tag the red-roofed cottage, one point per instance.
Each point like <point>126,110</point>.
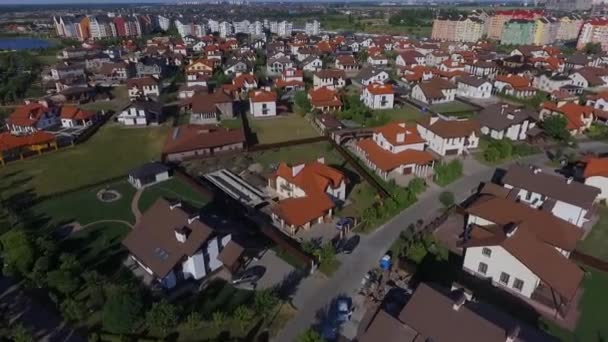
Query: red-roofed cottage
<point>31,117</point>
<point>263,103</point>
<point>378,96</point>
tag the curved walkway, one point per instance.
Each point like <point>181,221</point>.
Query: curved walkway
<point>135,204</point>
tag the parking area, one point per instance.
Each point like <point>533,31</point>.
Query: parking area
<point>275,271</point>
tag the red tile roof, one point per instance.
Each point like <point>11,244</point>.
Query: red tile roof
<point>75,113</point>
<point>596,167</point>
<point>193,137</point>
<point>324,96</point>
<point>263,96</point>
<point>27,115</point>
<point>380,89</point>
<point>9,142</point>
<point>388,161</point>
<point>391,130</point>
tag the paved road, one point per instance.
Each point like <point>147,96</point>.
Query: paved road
<point>315,292</point>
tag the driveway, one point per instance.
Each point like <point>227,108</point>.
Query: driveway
<point>314,295</point>
<point>276,270</point>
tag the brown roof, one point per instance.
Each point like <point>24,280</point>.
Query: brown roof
<point>546,226</point>
<point>141,82</point>
<point>501,116</point>
<point>552,186</point>
<point>331,73</point>
<point>203,102</point>
<point>386,328</point>
<point>553,268</point>
<point>231,253</point>
<point>451,128</point>
<point>433,88</point>
<point>472,80</point>
<point>153,242</point>
<point>193,137</point>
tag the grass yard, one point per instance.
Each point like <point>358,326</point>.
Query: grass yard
<point>597,241</point>
<point>172,188</point>
<point>297,154</point>
<point>111,152</point>
<point>362,197</point>
<point>591,324</point>
<point>232,123</point>
<point>120,100</point>
<point>406,113</point>
<point>84,207</point>
<point>283,128</point>
<point>452,107</point>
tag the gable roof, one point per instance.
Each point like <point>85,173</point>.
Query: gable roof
<point>451,128</point>
<point>391,130</point>
<point>9,141</point>
<point>75,113</point>
<point>263,96</point>
<point>141,82</point>
<point>193,137</point>
<point>28,114</point>
<point>388,161</point>
<point>596,167</point>
<point>501,116</point>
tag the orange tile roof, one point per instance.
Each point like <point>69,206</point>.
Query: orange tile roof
<point>75,113</point>
<point>9,142</point>
<point>515,81</point>
<point>388,161</point>
<point>313,179</point>
<point>380,89</point>
<point>27,115</point>
<point>392,129</point>
<point>324,96</point>
<point>241,79</point>
<point>263,96</point>
<point>573,112</point>
<point>596,167</point>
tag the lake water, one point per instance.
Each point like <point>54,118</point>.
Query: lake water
<point>23,43</point>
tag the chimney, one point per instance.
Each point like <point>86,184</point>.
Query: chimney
<point>321,160</point>
<point>510,230</point>
<point>459,302</point>
<point>193,218</point>
<point>181,233</point>
<point>400,137</point>
<point>569,180</point>
<point>175,205</point>
<point>513,334</point>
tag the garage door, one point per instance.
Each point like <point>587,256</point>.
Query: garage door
<point>451,152</point>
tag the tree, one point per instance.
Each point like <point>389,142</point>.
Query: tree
<point>264,301</point>
<point>122,310</point>
<point>243,316</point>
<point>593,48</point>
<point>446,198</point>
<point>555,127</point>
<point>219,319</point>
<point>21,334</point>
<point>417,185</point>
<point>18,252</point>
<point>63,281</point>
<point>193,320</point>
<point>72,310</point>
<point>162,316</point>
<point>491,154</point>
<point>310,336</point>
<point>220,78</point>
<point>302,102</point>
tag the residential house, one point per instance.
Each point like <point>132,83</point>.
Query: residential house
<point>113,71</point>
<point>435,91</point>
<point>378,96</point>
<point>324,99</point>
<point>241,85</point>
<point>377,60</point>
<point>63,71</point>
<point>564,198</point>
<point>549,83</point>
<point>142,87</point>
<point>236,66</point>
<point>197,141</point>
<point>31,117</point>
<point>148,174</point>
<point>449,137</point>
<point>312,63</point>
<point>277,65</point>
<point>579,118</point>
<point>308,194</point>
<point>209,108</point>
<point>596,175</point>
<point>481,68</point>
<point>409,58</point>
<point>291,79</point>
<point>396,149</point>
<point>141,113</point>
<point>523,251</point>
<point>329,78</point>
<point>372,75</point>
<point>589,77</point>
<point>475,87</point>
<point>346,63</point>
<point>514,85</point>
<point>598,101</point>
<point>171,244</point>
<point>72,116</point>
<point>503,120</point>
<point>263,103</point>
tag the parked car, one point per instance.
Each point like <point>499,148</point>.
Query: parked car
<point>250,275</point>
<point>344,309</point>
<point>351,244</point>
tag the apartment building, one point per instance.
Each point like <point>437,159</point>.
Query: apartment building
<point>459,29</point>
<point>594,31</point>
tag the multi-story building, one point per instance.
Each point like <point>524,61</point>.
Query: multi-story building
<point>256,28</point>
<point>283,28</point>
<point>214,26</point>
<point>594,31</point>
<point>313,28</point>
<point>163,23</point>
<point>241,26</point>
<point>226,29</point>
<point>101,27</point>
<point>461,29</point>
<point>569,5</point>
<point>569,27</point>
<point>545,30</point>
<point>497,21</point>
<point>518,32</point>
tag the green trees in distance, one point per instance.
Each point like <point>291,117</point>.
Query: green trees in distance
<point>302,103</point>
<point>122,310</point>
<point>593,48</point>
<point>162,316</point>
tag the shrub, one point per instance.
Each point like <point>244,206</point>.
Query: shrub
<point>446,173</point>
<point>491,154</point>
<point>447,198</point>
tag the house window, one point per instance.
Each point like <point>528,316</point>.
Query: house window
<point>528,195</point>
<point>518,284</point>
<point>486,252</point>
<point>504,278</point>
<point>483,268</point>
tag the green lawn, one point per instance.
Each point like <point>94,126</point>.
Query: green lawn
<point>591,324</point>
<point>120,100</point>
<point>362,196</point>
<point>172,188</point>
<point>232,123</point>
<point>111,152</point>
<point>406,113</point>
<point>298,154</point>
<point>453,107</point>
<point>283,128</point>
<point>84,207</point>
<point>596,243</point>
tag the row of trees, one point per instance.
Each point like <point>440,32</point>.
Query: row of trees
<point>18,71</point>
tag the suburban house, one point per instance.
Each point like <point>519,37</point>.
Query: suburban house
<point>378,96</point>
<point>324,99</point>
<point>113,71</point>
<point>31,117</point>
<point>514,85</point>
<point>377,60</point>
<point>307,194</point>
<point>196,141</point>
<point>208,108</point>
<point>148,174</point>
<point>435,314</point>
<point>598,101</point>
<point>410,58</point>
<point>278,65</point>
<point>291,79</point>
<point>236,66</point>
<point>142,87</point>
<point>569,200</point>
<point>196,78</point>
<point>579,117</point>
<point>396,149</point>
<point>372,75</point>
<point>507,121</point>
<point>522,250</point>
<point>172,244</point>
<point>330,78</point>
<point>471,86</point>
<point>12,145</point>
<point>72,116</point>
<point>241,85</point>
<point>202,66</point>
<point>141,113</point>
<point>480,68</point>
<point>312,63</point>
<point>549,83</point>
<point>437,90</point>
<point>449,137</point>
<point>63,71</point>
<point>346,63</point>
<point>263,103</point>
<point>596,175</point>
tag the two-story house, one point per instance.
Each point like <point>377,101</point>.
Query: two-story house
<point>475,87</point>
<point>324,99</point>
<point>396,149</point>
<point>172,244</point>
<point>449,137</point>
<point>291,79</point>
<point>372,75</point>
<point>346,63</point>
<point>437,90</point>
<point>312,63</point>
<point>330,78</point>
<point>72,116</point>
<point>505,121</point>
<point>142,87</point>
<point>32,117</point>
<point>208,108</point>
<point>278,65</point>
<point>595,174</point>
<point>378,96</point>
<point>579,118</point>
<point>141,113</point>
<point>263,103</point>
<point>307,193</point>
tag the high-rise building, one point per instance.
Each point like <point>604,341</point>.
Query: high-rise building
<point>569,27</point>
<point>569,5</point>
<point>496,21</point>
<point>225,29</point>
<point>163,23</point>
<point>214,26</point>
<point>459,29</point>
<point>518,32</point>
<point>594,31</point>
<point>312,28</point>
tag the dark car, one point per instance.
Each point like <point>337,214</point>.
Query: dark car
<point>351,244</point>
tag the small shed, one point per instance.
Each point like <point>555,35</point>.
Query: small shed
<point>149,173</point>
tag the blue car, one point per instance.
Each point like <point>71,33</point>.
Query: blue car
<point>345,223</point>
